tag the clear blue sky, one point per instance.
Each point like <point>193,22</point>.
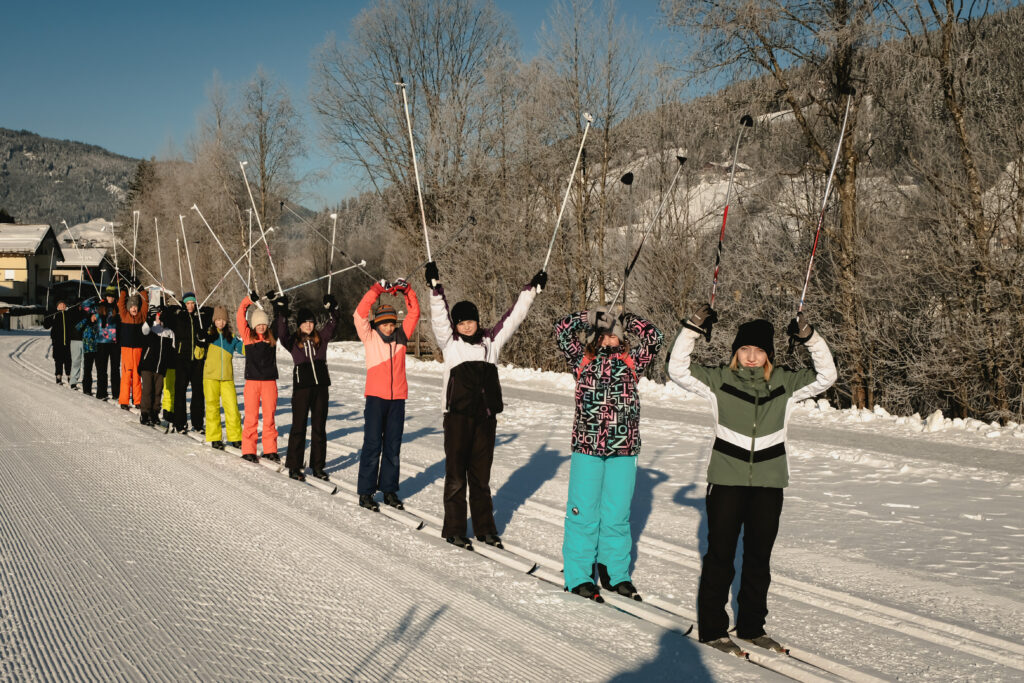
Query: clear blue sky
<point>132,76</point>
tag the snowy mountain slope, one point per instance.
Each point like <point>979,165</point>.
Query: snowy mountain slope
<point>909,554</point>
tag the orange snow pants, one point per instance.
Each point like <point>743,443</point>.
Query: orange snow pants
<point>131,380</point>
<point>257,393</point>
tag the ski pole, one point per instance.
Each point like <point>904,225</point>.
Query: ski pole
<point>330,264</point>
<point>647,231</point>
<point>745,122</point>
<point>228,271</point>
<point>321,236</point>
<point>135,239</point>
<point>117,283</point>
<point>82,265</point>
<point>177,250</point>
<point>266,244</point>
<point>49,281</point>
<point>589,119</point>
<point>416,171</point>
<point>159,256</point>
<point>149,273</point>
<point>188,257</point>
<point>627,180</point>
<point>225,251</point>
<point>824,205</point>
<point>450,242</point>
<point>317,279</point>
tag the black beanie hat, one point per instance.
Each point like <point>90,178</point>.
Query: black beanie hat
<point>759,333</point>
<point>305,316</point>
<point>465,310</point>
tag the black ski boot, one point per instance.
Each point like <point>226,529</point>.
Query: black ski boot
<point>235,444</point>
<point>297,475</point>
<point>144,420</point>
<point>366,501</point>
<point>602,576</point>
<point>391,498</point>
<point>74,387</point>
<point>251,457</point>
<point>320,474</point>
<point>588,590</point>
<point>491,539</point>
<point>460,541</point>
<point>58,380</point>
<point>272,457</point>
<point>219,445</point>
<point>125,406</point>
<point>627,589</point>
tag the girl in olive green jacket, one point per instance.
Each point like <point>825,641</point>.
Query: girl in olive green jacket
<point>751,401</point>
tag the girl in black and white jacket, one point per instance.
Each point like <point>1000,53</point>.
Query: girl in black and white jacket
<point>471,400</point>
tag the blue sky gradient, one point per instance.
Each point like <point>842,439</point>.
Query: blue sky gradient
<point>132,77</point>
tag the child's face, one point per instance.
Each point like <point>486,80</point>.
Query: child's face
<point>134,310</point>
<point>307,327</point>
<point>190,306</point>
<point>467,328</point>
<point>261,329</point>
<point>386,328</point>
<point>751,356</point>
<point>92,318</point>
<point>609,340</point>
<point>220,323</point>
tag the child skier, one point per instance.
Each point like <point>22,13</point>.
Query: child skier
<point>89,328</point>
<point>59,325</point>
<point>385,344</point>
<point>133,312</point>
<point>156,358</point>
<point>219,380</point>
<point>108,351</point>
<point>310,382</point>
<point>605,446</point>
<point>751,401</point>
<point>260,379</point>
<point>471,401</point>
<point>187,323</point>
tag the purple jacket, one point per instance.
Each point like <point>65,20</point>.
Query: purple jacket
<point>310,359</point>
<point>607,420</point>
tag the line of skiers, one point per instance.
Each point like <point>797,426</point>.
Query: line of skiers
<point>751,400</point>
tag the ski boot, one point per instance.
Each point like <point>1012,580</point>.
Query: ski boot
<point>460,541</point>
<point>297,475</point>
<point>320,474</point>
<point>623,588</point>
<point>125,406</point>
<point>491,539</point>
<point>587,590</point>
<point>74,387</point>
<point>768,643</point>
<point>219,445</point>
<point>251,457</point>
<point>272,457</point>
<point>58,380</point>
<point>235,444</point>
<point>366,501</point>
<point>391,498</point>
<point>726,645</point>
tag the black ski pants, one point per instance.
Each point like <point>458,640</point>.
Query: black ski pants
<point>152,393</point>
<point>468,454</point>
<point>61,359</point>
<point>756,510</point>
<point>308,400</point>
<point>88,359</point>
<point>108,354</point>
<point>189,371</point>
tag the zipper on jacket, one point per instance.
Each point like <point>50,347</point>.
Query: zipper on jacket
<point>753,440</point>
<point>391,364</point>
<point>312,361</point>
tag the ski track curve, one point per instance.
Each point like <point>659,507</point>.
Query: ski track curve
<point>153,563</point>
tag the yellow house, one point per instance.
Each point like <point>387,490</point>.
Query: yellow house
<point>27,256</point>
<point>88,264</point>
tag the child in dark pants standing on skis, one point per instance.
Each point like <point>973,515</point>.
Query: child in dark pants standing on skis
<point>385,344</point>
<point>751,400</point>
<point>471,400</point>
<point>310,382</point>
<point>605,446</point>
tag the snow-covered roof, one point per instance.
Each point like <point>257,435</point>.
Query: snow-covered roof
<point>22,239</point>
<point>87,257</point>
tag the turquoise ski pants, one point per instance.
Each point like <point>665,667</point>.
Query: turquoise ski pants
<point>597,517</point>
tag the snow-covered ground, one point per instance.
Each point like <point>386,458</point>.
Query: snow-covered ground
<point>126,553</point>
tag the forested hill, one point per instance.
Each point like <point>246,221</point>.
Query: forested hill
<point>44,180</point>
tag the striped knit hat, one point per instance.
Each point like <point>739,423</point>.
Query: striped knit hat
<point>385,314</point>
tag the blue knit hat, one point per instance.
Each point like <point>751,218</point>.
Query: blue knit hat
<point>189,296</point>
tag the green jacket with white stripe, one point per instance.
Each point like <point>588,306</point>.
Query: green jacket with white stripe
<point>751,414</point>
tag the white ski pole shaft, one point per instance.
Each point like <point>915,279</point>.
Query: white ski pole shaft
<point>330,265</point>
<point>135,238</point>
<point>249,257</point>
<point>177,250</point>
<point>225,251</point>
<point>49,282</point>
<point>415,167</point>
<point>322,277</point>
<point>824,203</point>
<point>117,268</point>
<point>325,239</point>
<point>228,272</point>
<point>81,267</point>
<point>146,270</point>
<point>565,199</point>
<point>188,257</point>
<point>159,256</point>
<point>259,223</point>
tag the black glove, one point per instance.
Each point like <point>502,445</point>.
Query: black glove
<point>254,297</point>
<point>540,280</point>
<point>330,303</point>
<point>702,320</point>
<point>799,330</point>
<point>272,295</point>
<point>280,302</point>
<point>399,286</point>
<point>433,277</point>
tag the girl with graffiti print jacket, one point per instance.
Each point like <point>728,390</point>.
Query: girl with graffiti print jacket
<point>605,446</point>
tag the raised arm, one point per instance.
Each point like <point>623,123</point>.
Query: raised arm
<point>694,378</point>
<point>650,337</point>
<point>412,313</point>
<point>361,316</point>
<point>824,373</point>
<point>567,337</point>
<point>515,316</point>
<point>440,320</point>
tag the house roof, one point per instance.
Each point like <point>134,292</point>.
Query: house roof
<point>24,239</point>
<point>87,257</point>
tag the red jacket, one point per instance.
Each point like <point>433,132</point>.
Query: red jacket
<point>385,361</point>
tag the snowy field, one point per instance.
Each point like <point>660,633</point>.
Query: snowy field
<point>128,554</point>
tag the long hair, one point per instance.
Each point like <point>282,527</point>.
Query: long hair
<point>301,337</point>
<point>768,367</point>
<point>226,331</point>
<point>267,336</point>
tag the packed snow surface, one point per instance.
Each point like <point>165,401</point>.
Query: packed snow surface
<point>125,553</point>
